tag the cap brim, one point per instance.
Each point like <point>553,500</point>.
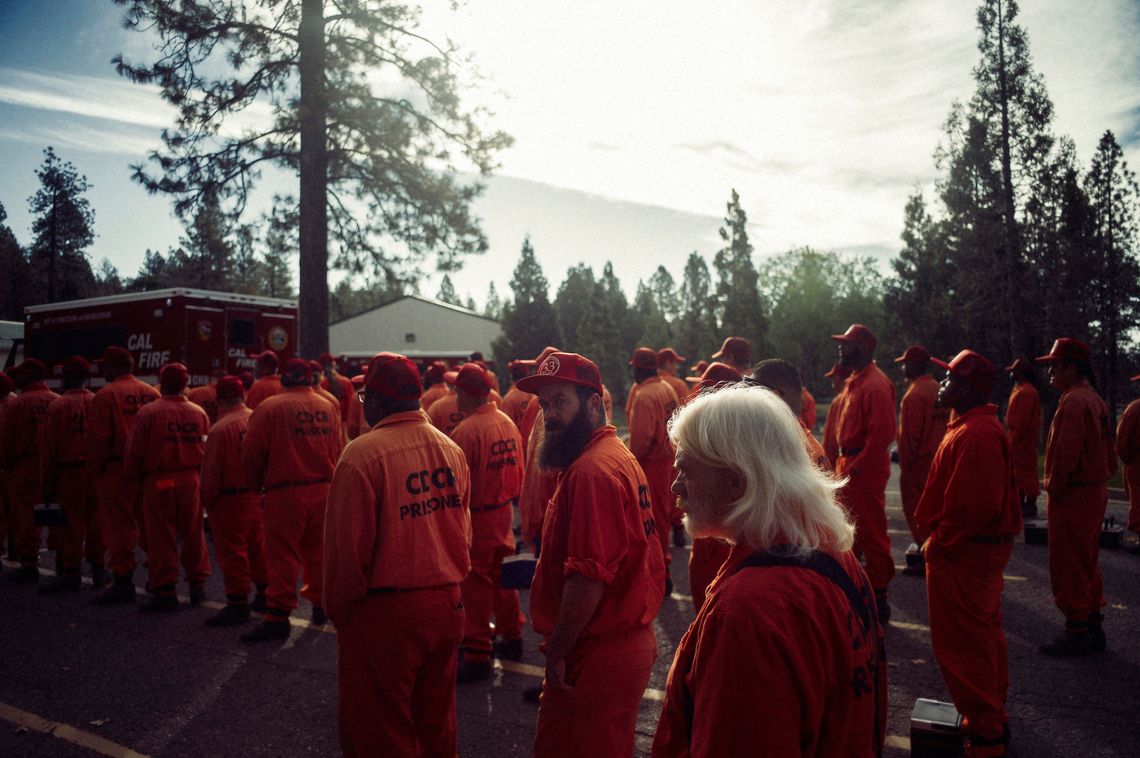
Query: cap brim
<point>940,364</point>
<point>1135,378</point>
<point>900,359</point>
<point>1011,367</point>
<point>717,354</point>
<point>1046,358</point>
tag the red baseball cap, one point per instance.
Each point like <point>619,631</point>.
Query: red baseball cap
<point>547,351</point>
<point>644,357</point>
<point>117,356</point>
<point>325,358</point>
<point>1019,365</point>
<point>449,377</point>
<point>716,373</point>
<point>29,371</point>
<point>357,381</point>
<point>472,379</point>
<point>839,370</point>
<point>698,369</point>
<point>435,369</point>
<point>1066,348</point>
<point>315,367</point>
<point>76,367</point>
<point>669,354</point>
<point>519,368</point>
<point>916,353</point>
<point>268,357</point>
<point>975,368</point>
<point>230,388</point>
<point>6,384</point>
<point>298,368</point>
<point>563,368</point>
<point>1133,379</point>
<point>857,333</point>
<point>174,374</point>
<point>393,375</point>
<point>737,347</point>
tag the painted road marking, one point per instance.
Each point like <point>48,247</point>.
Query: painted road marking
<point>910,627</point>
<point>66,732</point>
<point>893,740</point>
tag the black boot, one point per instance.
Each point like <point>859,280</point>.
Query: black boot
<point>160,603</point>
<point>197,594</point>
<point>231,615</point>
<point>1097,642</point>
<point>268,630</point>
<point>318,616</point>
<point>882,607</point>
<point>60,584</point>
<point>510,650</point>
<point>122,590</point>
<point>258,603</point>
<point>99,576</point>
<point>1073,642</point>
<point>472,671</point>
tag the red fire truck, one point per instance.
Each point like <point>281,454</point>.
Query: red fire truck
<point>202,329</point>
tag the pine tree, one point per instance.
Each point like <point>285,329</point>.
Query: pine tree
<point>447,291</point>
<point>572,303</point>
<point>696,328</point>
<point>16,281</point>
<point>372,167</point>
<point>656,332</point>
<point>494,307</point>
<point>740,309</point>
<point>529,320</point>
<point>664,290</point>
<point>63,228</point>
<point>279,246</point>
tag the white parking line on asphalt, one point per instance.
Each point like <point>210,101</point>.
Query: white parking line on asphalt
<point>893,740</point>
<point>910,627</point>
<point>66,732</point>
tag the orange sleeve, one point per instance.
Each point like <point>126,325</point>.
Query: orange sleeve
<point>807,413</point>
<point>1126,434</point>
<point>874,411</point>
<point>1065,440</point>
<point>350,536</point>
<point>598,538</point>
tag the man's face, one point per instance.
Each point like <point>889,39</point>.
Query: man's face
<point>850,353</point>
<point>567,424</point>
<point>951,391</point>
<point>669,367</point>
<point>705,493</point>
<point>560,404</point>
<point>913,369</point>
<point>1062,374</point>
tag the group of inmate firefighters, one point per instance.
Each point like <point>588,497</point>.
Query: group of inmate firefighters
<point>395,496</point>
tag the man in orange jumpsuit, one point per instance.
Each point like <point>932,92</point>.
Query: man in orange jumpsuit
<point>477,357</point>
<point>356,423</point>
<point>206,396</point>
<point>315,374</point>
<point>922,422</point>
<point>649,442</point>
<point>785,658</point>
<point>838,376</point>
<point>807,408</point>
<point>20,459</point>
<point>291,447</point>
<point>515,402</point>
<point>865,431</point>
<point>1128,449</point>
<point>233,507</point>
<point>436,387</point>
<point>444,413</point>
<point>968,517</point>
<point>736,352</point>
<point>268,381</point>
<point>1080,458</point>
<point>397,541</point>
<point>492,447</point>
<point>163,457</point>
<point>63,460</point>
<point>338,384</point>
<point>113,413</point>
<point>598,584</point>
<point>1023,425</point>
<point>668,361</point>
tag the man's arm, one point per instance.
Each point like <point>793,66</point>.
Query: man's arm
<point>580,598</point>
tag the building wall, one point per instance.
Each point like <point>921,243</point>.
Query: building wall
<point>431,326</point>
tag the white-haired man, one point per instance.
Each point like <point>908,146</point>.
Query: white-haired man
<point>791,612</point>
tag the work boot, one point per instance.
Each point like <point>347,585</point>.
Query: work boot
<point>197,594</point>
<point>668,583</point>
<point>1068,644</point>
<point>472,671</point>
<point>258,603</point>
<point>267,630</point>
<point>25,575</point>
<point>60,584</point>
<point>160,603</point>
<point>100,578</point>
<point>533,693</point>
<point>1028,507</point>
<point>511,650</point>
<point>1097,642</point>
<point>231,615</point>
<point>882,607</point>
<point>122,590</point>
<point>318,617</point>
<point>680,539</point>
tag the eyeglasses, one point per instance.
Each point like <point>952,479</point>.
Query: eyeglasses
<point>360,396</point>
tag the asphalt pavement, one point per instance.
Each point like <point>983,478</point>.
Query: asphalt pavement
<point>81,680</point>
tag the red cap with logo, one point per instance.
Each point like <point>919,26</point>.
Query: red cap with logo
<point>644,357</point>
<point>916,353</point>
<point>76,367</point>
<point>472,379</point>
<point>839,370</point>
<point>547,351</point>
<point>563,368</point>
<point>975,368</point>
<point>857,333</point>
<point>394,376</point>
<point>669,354</point>
<point>230,388</point>
<point>174,375</point>
<point>737,348</point>
<point>1066,348</point>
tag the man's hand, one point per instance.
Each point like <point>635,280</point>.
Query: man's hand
<point>556,674</point>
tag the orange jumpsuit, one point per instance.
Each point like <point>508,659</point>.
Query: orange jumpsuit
<point>679,385</point>
<point>531,418</point>
<point>1023,424</point>
<point>206,398</point>
<point>113,412</point>
<point>493,448</point>
<point>445,414</point>
<point>970,511</point>
<point>776,664</point>
<point>63,458</point>
<point>807,412</point>
<point>865,430</point>
<point>1079,459</point>
<point>20,450</point>
<point>921,426</point>
<point>649,442</point>
<point>515,404</point>
<point>538,485</point>
<point>356,424</point>
<point>1128,449</point>
<point>164,454</point>
<point>831,428</point>
<point>265,387</point>
<point>345,398</point>
<point>397,541</point>
<point>600,525</point>
<point>432,393</point>
<point>291,447</point>
<point>234,508</point>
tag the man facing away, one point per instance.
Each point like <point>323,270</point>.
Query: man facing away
<point>921,426</point>
<point>1023,425</point>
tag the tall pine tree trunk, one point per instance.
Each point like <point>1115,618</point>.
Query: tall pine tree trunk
<point>1009,236</point>
<point>314,227</point>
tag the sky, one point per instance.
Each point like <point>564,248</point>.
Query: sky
<point>632,121</point>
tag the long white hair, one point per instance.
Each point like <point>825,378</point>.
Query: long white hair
<point>787,499</point>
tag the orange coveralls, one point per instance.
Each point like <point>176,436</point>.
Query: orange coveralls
<point>538,485</point>
<point>206,398</point>
<point>921,426</point>
<point>1079,459</point>
<point>164,454</point>
<point>515,403</point>
<point>650,410</point>
<point>970,511</point>
<point>63,459</point>
<point>356,424</point>
<point>113,412</point>
<point>600,525</point>
<point>291,447</point>
<point>397,541</point>
<point>234,508</point>
<point>433,393</point>
<point>265,387</point>
<point>23,434</point>
<point>866,428</point>
<point>1023,424</point>
<point>679,385</point>
<point>753,677</point>
<point>493,448</point>
<point>346,397</point>
<point>807,413</point>
<point>1128,449</point>
<point>445,414</point>
<point>531,417</point>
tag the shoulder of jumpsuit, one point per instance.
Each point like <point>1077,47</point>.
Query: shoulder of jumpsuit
<point>233,418</point>
<point>973,416</point>
<point>769,598</point>
<point>380,434</point>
